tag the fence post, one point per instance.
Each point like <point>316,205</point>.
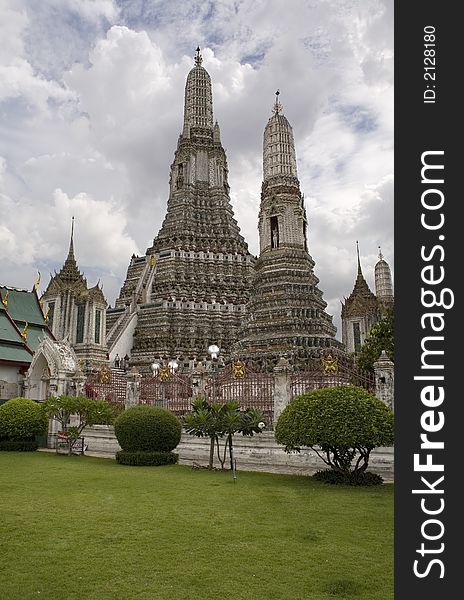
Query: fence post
<point>385,380</point>
<point>133,388</point>
<point>282,387</point>
<point>199,378</point>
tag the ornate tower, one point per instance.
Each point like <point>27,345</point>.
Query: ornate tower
<point>383,284</point>
<point>286,313</point>
<point>191,287</point>
<point>77,313</point>
<point>359,312</point>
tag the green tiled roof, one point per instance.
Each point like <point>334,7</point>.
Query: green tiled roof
<point>35,335</point>
<point>12,346</point>
<point>23,306</point>
<point>14,352</point>
<point>7,330</point>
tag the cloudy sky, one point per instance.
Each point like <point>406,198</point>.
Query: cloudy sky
<point>91,105</point>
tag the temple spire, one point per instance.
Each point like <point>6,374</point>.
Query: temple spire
<point>198,57</point>
<point>359,260</point>
<point>71,242</point>
<point>279,158</point>
<point>198,102</point>
<point>383,279</point>
<point>277,108</point>
<point>70,270</point>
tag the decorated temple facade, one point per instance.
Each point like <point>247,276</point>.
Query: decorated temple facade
<point>77,313</point>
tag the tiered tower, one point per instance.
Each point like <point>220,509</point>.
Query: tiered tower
<point>191,287</point>
<point>383,284</point>
<point>76,312</point>
<point>286,313</point>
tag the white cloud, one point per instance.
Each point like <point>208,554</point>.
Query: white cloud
<point>91,105</point>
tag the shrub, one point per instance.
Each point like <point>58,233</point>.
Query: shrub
<point>341,424</point>
<point>22,419</point>
<point>338,478</point>
<point>147,429</point>
<point>18,445</point>
<point>146,459</point>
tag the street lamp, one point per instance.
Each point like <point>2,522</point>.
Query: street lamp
<point>214,351</point>
<point>173,366</point>
<point>155,367</point>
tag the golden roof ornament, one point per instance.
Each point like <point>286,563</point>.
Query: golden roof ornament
<point>5,299</point>
<point>36,284</point>
<point>24,332</point>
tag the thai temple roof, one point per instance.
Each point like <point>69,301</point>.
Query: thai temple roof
<point>22,324</point>
<point>361,298</point>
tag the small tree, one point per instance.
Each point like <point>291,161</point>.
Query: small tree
<point>203,422</point>
<point>247,422</point>
<point>381,337</point>
<point>218,420</point>
<point>88,412</point>
<point>341,424</point>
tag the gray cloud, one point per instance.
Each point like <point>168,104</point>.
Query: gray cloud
<point>91,97</point>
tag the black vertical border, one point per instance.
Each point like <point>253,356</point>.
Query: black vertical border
<point>421,127</point>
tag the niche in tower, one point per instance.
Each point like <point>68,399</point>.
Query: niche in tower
<point>305,227</point>
<point>274,221</point>
<point>180,176</point>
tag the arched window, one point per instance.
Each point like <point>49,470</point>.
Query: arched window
<point>274,224</point>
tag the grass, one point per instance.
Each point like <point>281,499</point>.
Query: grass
<point>86,528</point>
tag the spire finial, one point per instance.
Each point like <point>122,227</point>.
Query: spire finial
<point>380,253</point>
<point>359,260</point>
<point>198,57</point>
<point>277,108</point>
<point>71,242</point>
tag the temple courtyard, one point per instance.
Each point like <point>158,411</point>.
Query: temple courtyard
<point>87,528</point>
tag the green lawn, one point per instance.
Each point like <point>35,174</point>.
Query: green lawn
<point>89,529</point>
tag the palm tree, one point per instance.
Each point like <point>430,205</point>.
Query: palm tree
<point>218,420</point>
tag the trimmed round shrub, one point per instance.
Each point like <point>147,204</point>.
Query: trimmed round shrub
<point>22,419</point>
<point>341,424</point>
<point>147,429</point>
<point>146,459</point>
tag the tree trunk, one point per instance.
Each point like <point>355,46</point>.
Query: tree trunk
<point>231,453</point>
<point>211,453</point>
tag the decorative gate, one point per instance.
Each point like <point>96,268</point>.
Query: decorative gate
<point>107,385</point>
<point>237,381</point>
<point>168,390</point>
<point>330,370</point>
